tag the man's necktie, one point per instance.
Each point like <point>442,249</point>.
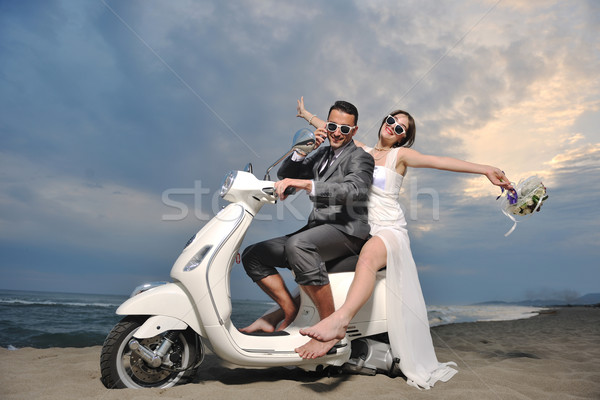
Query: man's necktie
<point>328,163</point>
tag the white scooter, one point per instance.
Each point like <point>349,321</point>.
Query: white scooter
<point>161,340</point>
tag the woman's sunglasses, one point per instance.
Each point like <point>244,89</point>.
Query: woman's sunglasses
<point>398,129</point>
<point>345,129</point>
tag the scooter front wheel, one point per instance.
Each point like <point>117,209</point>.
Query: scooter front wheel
<point>122,367</point>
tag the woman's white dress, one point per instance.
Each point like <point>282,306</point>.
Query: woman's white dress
<point>408,325</point>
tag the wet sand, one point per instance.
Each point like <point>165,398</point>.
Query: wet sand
<point>555,355</point>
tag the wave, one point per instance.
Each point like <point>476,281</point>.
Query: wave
<point>442,315</point>
<point>54,303</point>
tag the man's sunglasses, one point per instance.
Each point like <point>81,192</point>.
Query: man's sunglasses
<point>398,129</point>
<point>345,129</point>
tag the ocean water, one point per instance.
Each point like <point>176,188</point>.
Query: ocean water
<point>45,319</point>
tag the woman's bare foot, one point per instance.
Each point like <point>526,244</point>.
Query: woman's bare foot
<point>331,328</point>
<point>315,348</point>
<point>260,325</point>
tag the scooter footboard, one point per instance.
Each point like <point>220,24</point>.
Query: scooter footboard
<point>168,300</point>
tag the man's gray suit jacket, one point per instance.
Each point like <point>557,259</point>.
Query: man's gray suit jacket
<point>341,193</point>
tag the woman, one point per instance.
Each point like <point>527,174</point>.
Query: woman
<point>408,326</point>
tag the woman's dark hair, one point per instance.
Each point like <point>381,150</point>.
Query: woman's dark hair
<point>411,130</point>
<point>345,107</point>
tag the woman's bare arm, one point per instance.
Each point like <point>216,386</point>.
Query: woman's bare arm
<point>412,158</point>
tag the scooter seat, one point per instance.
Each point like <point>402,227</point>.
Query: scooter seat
<point>342,264</point>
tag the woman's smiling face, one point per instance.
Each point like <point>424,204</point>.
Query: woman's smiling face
<point>387,132</point>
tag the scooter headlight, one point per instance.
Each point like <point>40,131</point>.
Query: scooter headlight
<point>227,182</point>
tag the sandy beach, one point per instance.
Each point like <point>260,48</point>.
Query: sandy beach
<point>555,355</point>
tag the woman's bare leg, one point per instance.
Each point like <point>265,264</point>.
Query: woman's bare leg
<point>373,257</point>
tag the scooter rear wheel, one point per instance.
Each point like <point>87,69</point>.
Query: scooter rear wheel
<point>123,368</point>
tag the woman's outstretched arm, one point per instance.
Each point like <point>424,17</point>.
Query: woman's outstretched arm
<point>412,158</point>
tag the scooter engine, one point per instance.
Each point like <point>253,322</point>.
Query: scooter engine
<point>371,356</point>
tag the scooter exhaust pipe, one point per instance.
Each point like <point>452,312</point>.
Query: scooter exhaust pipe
<point>147,355</point>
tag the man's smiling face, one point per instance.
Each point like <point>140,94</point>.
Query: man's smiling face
<point>337,139</point>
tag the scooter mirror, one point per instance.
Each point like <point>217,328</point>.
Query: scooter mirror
<point>304,141</point>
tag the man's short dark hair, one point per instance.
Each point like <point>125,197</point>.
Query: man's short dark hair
<point>345,107</point>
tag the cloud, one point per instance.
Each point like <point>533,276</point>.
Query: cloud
<point>585,156</point>
<point>51,208</point>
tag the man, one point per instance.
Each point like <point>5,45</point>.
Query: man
<point>337,178</point>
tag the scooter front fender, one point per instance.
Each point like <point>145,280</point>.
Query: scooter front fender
<point>169,300</point>
<point>157,325</point>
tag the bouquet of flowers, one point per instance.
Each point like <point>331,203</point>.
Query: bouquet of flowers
<point>527,198</point>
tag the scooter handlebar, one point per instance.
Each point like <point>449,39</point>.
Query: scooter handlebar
<point>271,191</point>
<point>289,190</point>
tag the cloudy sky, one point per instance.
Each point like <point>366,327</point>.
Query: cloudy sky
<point>120,118</point>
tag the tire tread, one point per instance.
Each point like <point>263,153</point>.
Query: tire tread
<point>124,326</point>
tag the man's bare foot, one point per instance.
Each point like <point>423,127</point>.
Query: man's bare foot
<point>260,325</point>
<point>330,328</point>
<point>315,348</point>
